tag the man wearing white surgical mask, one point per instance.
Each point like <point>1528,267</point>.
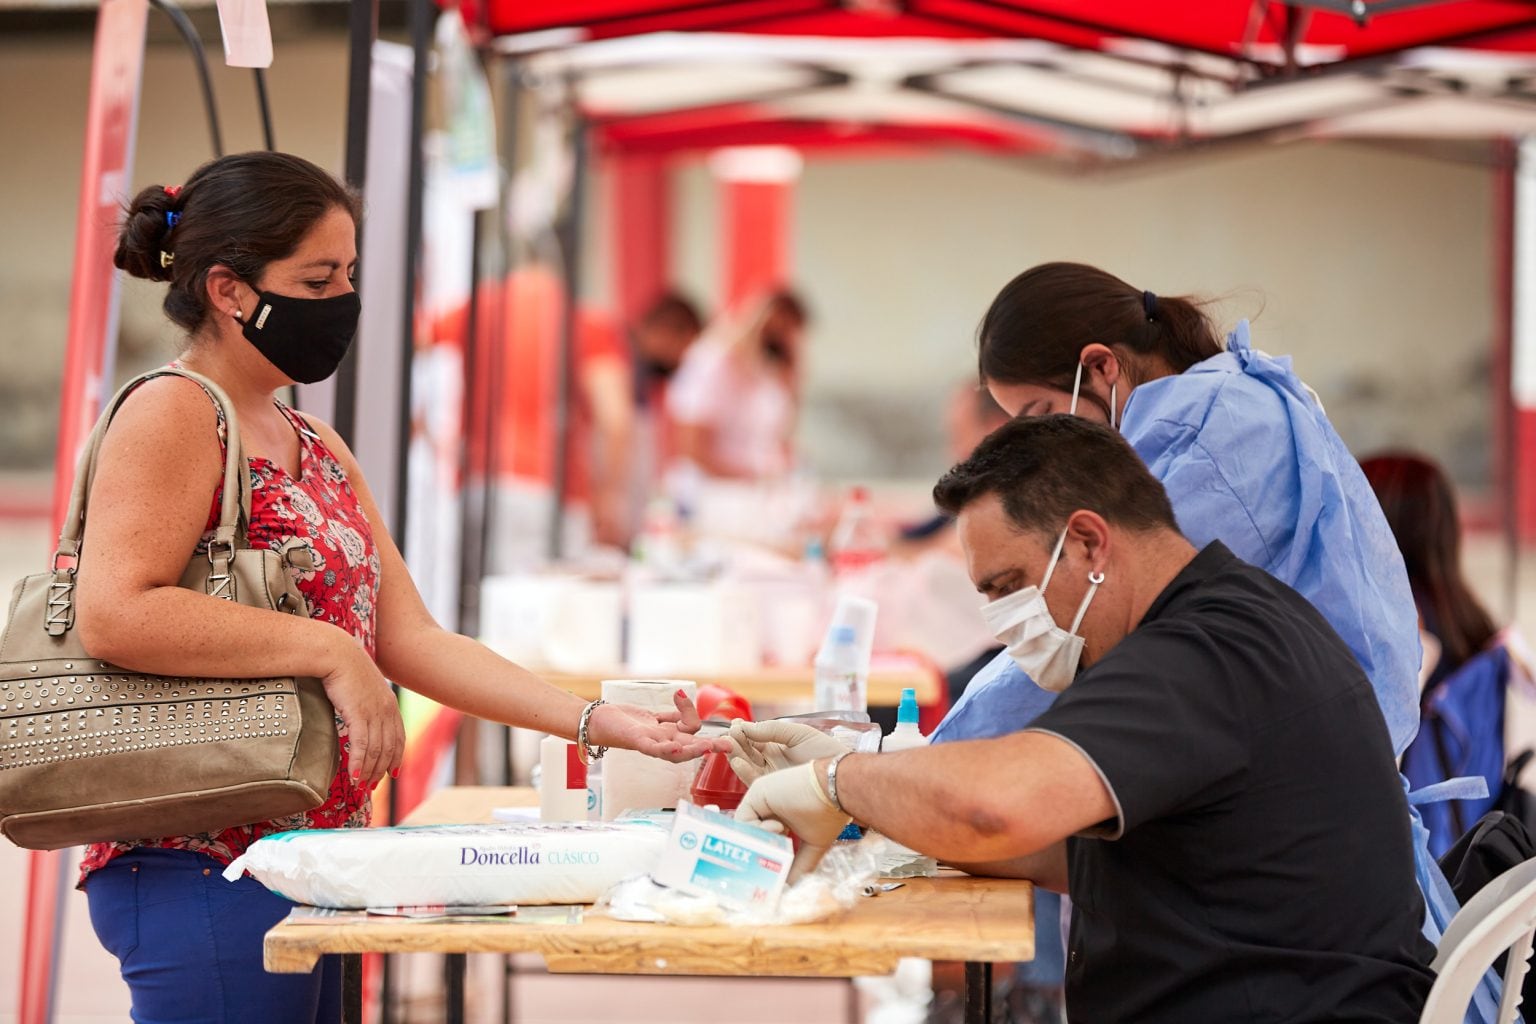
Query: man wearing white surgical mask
<point>1215,786</point>
<point>1023,624</point>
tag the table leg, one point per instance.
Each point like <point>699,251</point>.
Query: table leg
<point>352,988</point>
<point>453,971</point>
<point>978,993</point>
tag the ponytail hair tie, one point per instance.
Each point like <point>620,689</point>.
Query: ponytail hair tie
<point>1149,305</point>
<point>172,218</point>
<point>172,190</point>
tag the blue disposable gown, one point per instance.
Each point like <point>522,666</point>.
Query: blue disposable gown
<point>1249,458</point>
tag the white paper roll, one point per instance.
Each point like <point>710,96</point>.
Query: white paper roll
<point>634,781</point>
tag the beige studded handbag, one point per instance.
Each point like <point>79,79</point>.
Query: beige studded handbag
<point>91,752</point>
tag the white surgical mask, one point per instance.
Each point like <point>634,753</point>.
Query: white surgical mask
<point>1023,624</point>
<point>1077,385</point>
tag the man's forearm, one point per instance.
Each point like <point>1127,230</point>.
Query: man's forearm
<point>978,802</point>
<point>1047,869</point>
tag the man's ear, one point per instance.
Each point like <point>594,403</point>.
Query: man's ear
<point>227,293</point>
<point>1090,531</point>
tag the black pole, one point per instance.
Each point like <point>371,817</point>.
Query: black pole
<point>978,993</point>
<point>421,41</point>
<point>200,62</point>
<point>570,250</point>
<point>264,104</point>
<point>470,555</point>
<point>500,324</point>
<point>362,30</point>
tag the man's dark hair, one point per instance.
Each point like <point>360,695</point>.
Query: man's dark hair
<point>788,303</point>
<point>1044,468</point>
<point>671,311</point>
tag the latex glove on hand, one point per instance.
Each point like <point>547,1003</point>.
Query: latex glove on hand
<point>758,748</point>
<point>794,800</point>
<point>669,735</point>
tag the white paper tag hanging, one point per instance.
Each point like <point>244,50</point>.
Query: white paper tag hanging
<point>247,33</point>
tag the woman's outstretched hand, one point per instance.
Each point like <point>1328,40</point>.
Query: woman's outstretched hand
<point>669,735</point>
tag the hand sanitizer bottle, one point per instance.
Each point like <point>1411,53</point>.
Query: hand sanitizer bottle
<point>905,736</point>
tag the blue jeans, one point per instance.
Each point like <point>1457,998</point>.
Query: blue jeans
<point>189,944</point>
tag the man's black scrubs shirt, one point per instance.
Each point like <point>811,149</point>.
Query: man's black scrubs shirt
<point>1260,868</point>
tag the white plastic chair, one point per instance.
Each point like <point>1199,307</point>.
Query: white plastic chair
<point>1502,916</point>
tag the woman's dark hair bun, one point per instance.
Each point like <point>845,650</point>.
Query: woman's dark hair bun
<point>144,235</point>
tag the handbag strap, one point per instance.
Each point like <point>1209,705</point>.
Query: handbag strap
<point>234,508</point>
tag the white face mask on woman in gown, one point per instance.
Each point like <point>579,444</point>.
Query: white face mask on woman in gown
<point>1021,622</point>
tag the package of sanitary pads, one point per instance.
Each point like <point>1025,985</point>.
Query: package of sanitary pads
<point>521,863</point>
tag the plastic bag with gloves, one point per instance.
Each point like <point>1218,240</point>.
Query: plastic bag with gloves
<point>847,873</point>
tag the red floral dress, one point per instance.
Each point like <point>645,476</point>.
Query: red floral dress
<point>318,510</point>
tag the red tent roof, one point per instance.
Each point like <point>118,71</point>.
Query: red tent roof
<point>1254,29</point>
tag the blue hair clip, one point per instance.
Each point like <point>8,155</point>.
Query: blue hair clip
<point>171,219</point>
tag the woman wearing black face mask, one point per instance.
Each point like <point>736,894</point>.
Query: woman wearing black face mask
<point>258,250</point>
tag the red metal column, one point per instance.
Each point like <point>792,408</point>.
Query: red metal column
<point>111,122</point>
<point>756,201</point>
<point>1522,275</point>
<point>640,199</point>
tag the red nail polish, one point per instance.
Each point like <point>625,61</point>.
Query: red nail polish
<point>683,694</point>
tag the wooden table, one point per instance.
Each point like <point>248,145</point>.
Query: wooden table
<point>952,917</point>
<point>887,678</point>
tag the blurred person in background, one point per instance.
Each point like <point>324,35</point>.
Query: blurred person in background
<point>1469,662</point>
<point>735,398</point>
<point>925,596</point>
<point>970,415</point>
<point>526,312</point>
<point>660,338</point>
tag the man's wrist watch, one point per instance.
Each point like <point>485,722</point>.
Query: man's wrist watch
<point>832,780</point>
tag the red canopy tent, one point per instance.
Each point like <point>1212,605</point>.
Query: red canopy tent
<point>1270,36</point>
<point>1253,42</point>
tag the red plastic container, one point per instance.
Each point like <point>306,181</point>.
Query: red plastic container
<point>717,784</point>
<point>718,703</point>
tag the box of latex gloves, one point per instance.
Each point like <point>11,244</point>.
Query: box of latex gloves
<point>711,854</point>
<point>457,865</point>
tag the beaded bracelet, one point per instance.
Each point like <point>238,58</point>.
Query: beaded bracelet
<point>832,780</point>
<point>583,744</point>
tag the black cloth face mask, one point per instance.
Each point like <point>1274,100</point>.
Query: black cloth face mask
<point>777,351</point>
<point>656,370</point>
<point>304,338</point>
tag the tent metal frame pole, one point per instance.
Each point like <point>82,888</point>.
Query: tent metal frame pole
<point>496,343</point>
<point>471,556</point>
<point>570,248</point>
<point>1507,156</point>
<point>362,31</point>
<point>194,42</point>
<point>792,10</point>
<point>421,12</point>
<point>1009,8</point>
